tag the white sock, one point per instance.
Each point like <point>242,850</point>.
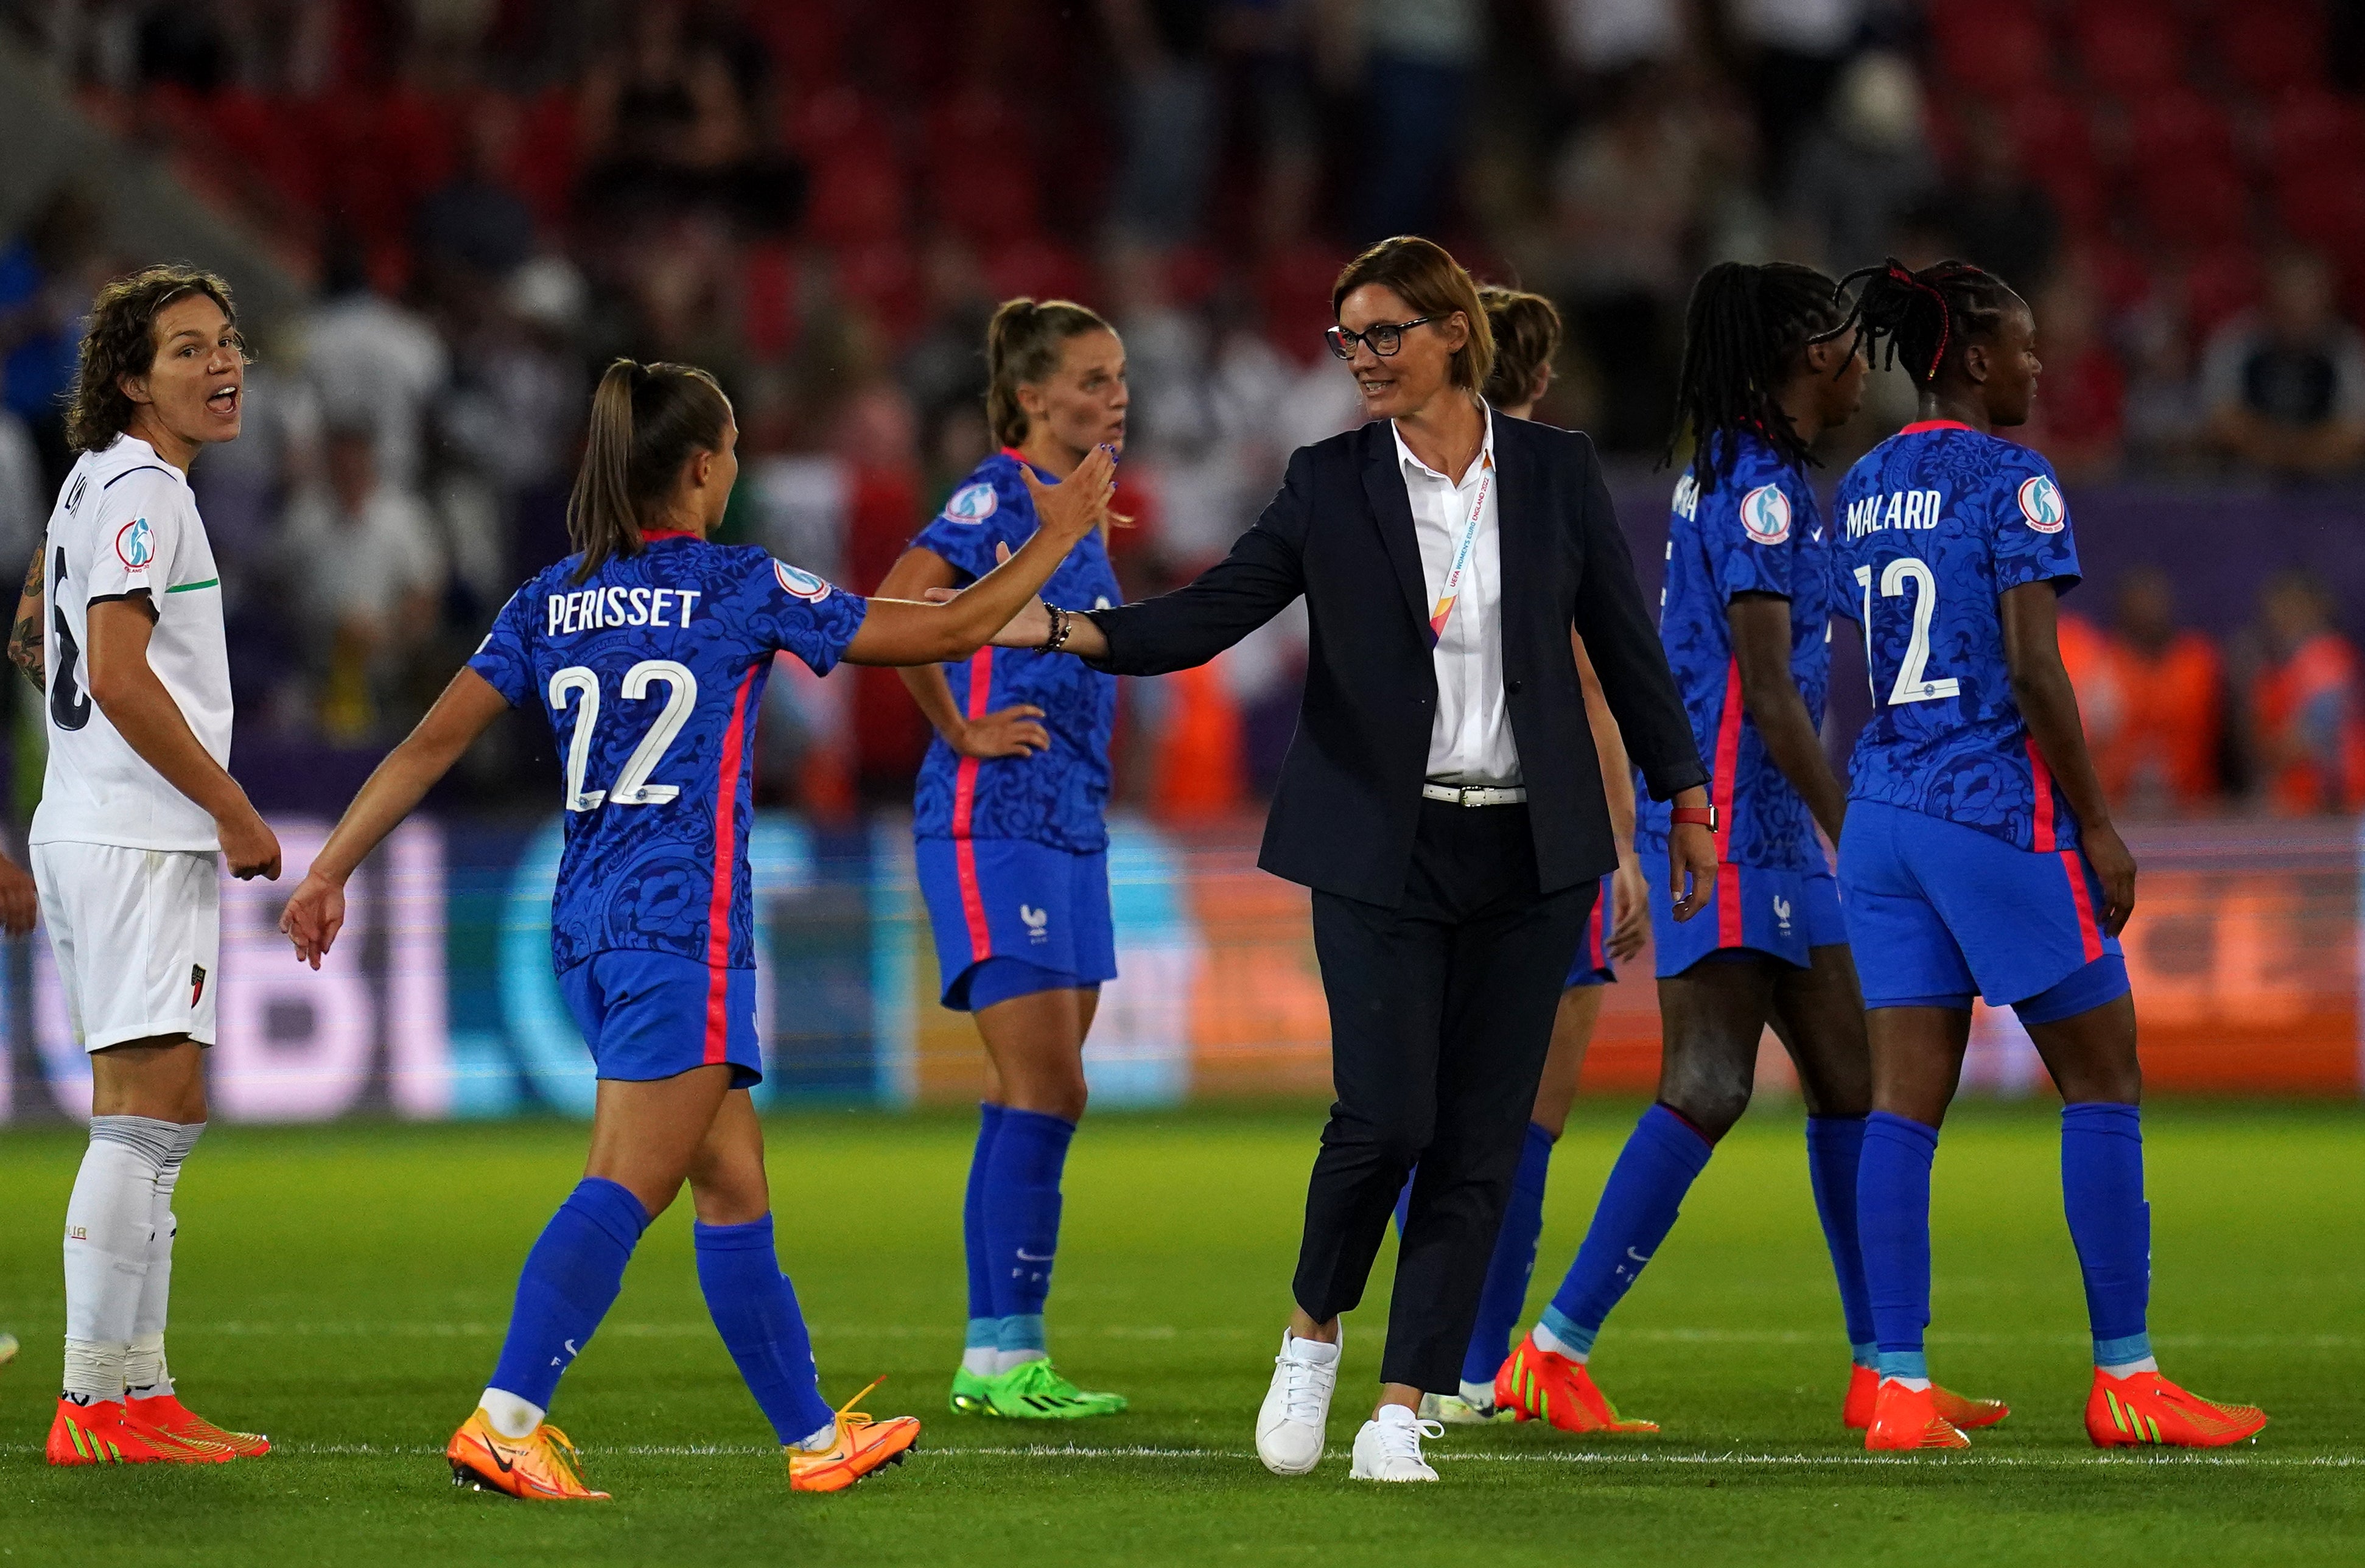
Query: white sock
<point>1544,1338</point>
<point>2129,1369</point>
<point>1478,1396</point>
<point>1005,1360</point>
<point>817,1441</point>
<point>981,1360</point>
<point>513,1417</point>
<point>1916,1383</point>
<point>144,1373</point>
<point>110,1220</point>
<point>1314,1350</point>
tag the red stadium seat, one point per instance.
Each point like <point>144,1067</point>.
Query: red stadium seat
<point>858,198</point>
<point>989,195</point>
<point>2313,133</point>
<point>545,160</point>
<point>2274,47</point>
<point>2118,273</point>
<point>833,120</point>
<point>2176,130</point>
<point>2054,140</point>
<point>1041,267</point>
<point>2001,50</point>
<point>768,300</point>
<point>2204,203</point>
<point>2327,214</point>
<point>1293,286</point>
<point>263,133</point>
<point>883,280</point>
<point>804,38</point>
<point>2221,282</point>
<point>2129,46</point>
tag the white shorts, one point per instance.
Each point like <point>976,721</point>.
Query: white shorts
<point>137,939</point>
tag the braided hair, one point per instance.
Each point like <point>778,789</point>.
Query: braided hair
<point>1925,318</point>
<point>1743,331</point>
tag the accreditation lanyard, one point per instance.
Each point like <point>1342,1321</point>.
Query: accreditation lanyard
<point>1452,590</point>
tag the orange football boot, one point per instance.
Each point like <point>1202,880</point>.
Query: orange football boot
<point>1542,1385</point>
<point>1906,1419</point>
<point>167,1414</point>
<point>2145,1408</point>
<point>544,1467</point>
<point>104,1433</point>
<point>1964,1413</point>
<point>858,1446</point>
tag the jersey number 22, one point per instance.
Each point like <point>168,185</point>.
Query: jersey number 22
<point>633,787</point>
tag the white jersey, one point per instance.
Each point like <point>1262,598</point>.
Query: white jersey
<point>125,524</point>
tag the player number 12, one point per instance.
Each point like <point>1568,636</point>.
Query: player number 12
<point>1910,686</point>
<point>633,786</point>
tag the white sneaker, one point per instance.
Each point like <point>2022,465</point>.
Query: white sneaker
<point>1388,1447</point>
<point>1296,1420</point>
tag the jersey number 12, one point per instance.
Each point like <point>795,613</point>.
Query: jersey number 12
<point>1911,686</point>
<point>633,786</point>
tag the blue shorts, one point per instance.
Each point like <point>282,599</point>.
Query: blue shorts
<point>1592,966</point>
<point>652,1015</point>
<point>1783,914</point>
<point>1936,909</point>
<point>1010,898</point>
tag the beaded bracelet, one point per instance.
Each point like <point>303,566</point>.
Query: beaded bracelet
<point>1061,621</point>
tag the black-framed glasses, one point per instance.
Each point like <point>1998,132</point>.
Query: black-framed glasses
<point>1382,339</point>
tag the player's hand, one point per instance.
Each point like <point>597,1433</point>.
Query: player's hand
<point>248,847</point>
<point>1629,909</point>
<point>313,917</point>
<point>1691,868</point>
<point>2107,853</point>
<point>20,902</point>
<point>1009,732</point>
<point>1074,507</point>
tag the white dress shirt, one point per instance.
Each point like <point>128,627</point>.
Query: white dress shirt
<point>1470,739</point>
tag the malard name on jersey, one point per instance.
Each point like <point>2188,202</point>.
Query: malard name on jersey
<point>1897,509</point>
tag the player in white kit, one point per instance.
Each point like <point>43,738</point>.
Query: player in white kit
<point>137,811</point>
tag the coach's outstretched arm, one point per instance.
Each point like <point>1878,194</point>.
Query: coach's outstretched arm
<point>153,724</point>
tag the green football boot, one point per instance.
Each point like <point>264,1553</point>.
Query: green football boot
<point>1033,1391</point>
<point>969,1392</point>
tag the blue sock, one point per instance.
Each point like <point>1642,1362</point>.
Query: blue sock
<point>1022,1220</point>
<point>984,1328</point>
<point>1892,1213</point>
<point>1637,1207</point>
<point>2102,1189</point>
<point>1835,1145</point>
<point>568,1284</point>
<point>1404,1200</point>
<point>754,1309</point>
<point>1505,1296</point>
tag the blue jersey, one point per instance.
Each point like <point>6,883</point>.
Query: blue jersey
<point>651,672</point>
<point>1758,532</point>
<point>1055,797</point>
<point>1935,524</point>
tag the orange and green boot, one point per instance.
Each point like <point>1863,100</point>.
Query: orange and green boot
<point>1543,1385</point>
<point>2144,1409</point>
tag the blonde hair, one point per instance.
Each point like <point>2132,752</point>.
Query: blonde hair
<point>1425,275</point>
<point>1022,348</point>
<point>646,421</point>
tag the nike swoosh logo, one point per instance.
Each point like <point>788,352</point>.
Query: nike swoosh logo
<point>503,1465</point>
<point>1036,1257</point>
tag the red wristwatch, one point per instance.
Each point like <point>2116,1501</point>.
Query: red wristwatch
<point>1704,816</point>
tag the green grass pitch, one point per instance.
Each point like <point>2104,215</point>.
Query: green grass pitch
<point>346,1288</point>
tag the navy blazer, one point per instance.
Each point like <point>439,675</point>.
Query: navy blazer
<point>1340,532</point>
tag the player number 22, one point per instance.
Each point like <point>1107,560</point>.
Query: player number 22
<point>1910,686</point>
<point>633,786</point>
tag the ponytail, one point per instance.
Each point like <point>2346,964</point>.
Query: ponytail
<point>646,421</point>
<point>1022,348</point>
<point>1925,318</point>
<point>1744,330</point>
<point>1526,328</point>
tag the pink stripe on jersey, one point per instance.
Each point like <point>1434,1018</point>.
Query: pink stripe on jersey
<point>2089,930</point>
<point>726,864</point>
<point>1728,762</point>
<point>981,698</point>
<point>2040,781</point>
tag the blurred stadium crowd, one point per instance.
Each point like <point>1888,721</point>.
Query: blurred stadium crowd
<point>820,200</point>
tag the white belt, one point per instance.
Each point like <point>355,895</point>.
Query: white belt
<point>1475,796</point>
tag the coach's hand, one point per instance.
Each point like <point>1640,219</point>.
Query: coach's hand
<point>1691,868</point>
<point>2115,864</point>
<point>314,916</point>
<point>248,846</point>
<point>20,902</point>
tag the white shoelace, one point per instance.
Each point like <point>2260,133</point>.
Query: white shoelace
<point>1404,1442</point>
<point>1306,1388</point>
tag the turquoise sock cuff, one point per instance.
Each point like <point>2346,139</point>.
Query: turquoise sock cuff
<point>1023,1331</point>
<point>1904,1363</point>
<point>1866,1355</point>
<point>985,1334</point>
<point>2118,1352</point>
<point>1568,1331</point>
